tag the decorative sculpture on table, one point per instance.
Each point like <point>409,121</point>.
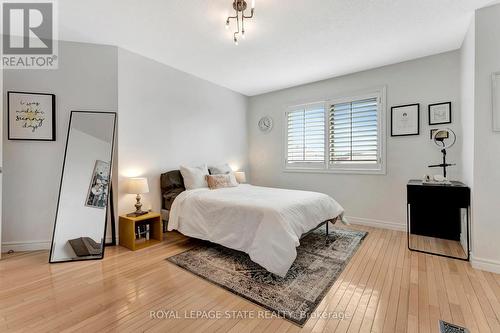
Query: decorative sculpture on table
<point>444,139</point>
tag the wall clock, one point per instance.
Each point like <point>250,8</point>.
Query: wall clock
<point>266,124</point>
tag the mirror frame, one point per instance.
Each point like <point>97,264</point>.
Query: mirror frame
<point>61,183</point>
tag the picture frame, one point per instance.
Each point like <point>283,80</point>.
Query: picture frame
<point>99,185</point>
<point>405,120</point>
<point>31,116</point>
<point>440,113</point>
<point>495,86</point>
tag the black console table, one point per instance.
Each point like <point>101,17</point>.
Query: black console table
<point>434,210</point>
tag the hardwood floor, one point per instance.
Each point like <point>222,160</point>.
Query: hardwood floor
<point>384,288</point>
<point>438,245</point>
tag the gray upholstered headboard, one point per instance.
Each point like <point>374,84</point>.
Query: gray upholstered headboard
<point>172,184</point>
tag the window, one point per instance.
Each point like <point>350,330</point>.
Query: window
<point>339,135</point>
<point>354,132</point>
<point>306,136</point>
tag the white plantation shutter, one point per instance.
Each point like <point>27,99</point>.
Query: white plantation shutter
<point>305,141</point>
<point>354,132</point>
<point>341,135</point>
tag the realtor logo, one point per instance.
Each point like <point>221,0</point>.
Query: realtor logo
<point>29,35</point>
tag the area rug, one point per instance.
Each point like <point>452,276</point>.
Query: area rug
<point>294,297</point>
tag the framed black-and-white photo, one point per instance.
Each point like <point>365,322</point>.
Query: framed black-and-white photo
<point>99,183</point>
<point>440,113</point>
<point>31,116</point>
<point>405,120</point>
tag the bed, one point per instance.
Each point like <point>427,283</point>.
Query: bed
<point>266,223</point>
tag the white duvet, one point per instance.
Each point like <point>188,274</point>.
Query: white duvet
<point>266,223</point>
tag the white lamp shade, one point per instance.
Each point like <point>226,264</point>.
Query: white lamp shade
<point>137,185</point>
<point>240,176</point>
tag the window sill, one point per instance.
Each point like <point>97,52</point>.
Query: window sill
<point>345,171</point>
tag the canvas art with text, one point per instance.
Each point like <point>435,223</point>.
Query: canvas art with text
<point>31,116</point>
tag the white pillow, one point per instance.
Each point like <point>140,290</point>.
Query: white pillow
<point>194,177</point>
<point>222,169</point>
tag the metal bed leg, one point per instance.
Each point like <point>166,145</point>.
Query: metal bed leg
<point>333,221</point>
<point>327,230</point>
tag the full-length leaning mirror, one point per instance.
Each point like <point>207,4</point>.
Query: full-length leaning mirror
<point>80,224</point>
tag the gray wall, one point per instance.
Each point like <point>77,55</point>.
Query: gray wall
<point>486,190</point>
<point>373,199</point>
<point>468,63</point>
<point>169,118</point>
<point>86,80</point>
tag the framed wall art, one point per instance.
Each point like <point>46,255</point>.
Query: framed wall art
<point>31,116</point>
<point>405,120</point>
<point>97,195</point>
<point>440,113</point>
<point>496,101</point>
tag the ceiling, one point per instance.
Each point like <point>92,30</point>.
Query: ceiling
<point>288,42</point>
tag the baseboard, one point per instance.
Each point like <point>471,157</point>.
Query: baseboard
<point>25,246</point>
<point>110,239</point>
<point>485,264</point>
<point>376,223</point>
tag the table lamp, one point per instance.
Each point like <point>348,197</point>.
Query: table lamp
<point>240,176</point>
<point>137,186</point>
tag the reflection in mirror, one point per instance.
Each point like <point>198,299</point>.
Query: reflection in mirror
<point>80,224</point>
<point>446,246</point>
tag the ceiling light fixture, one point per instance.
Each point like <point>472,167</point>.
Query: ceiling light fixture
<point>239,7</point>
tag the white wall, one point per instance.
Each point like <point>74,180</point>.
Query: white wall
<point>1,155</point>
<point>86,80</point>
<point>374,199</point>
<point>467,73</point>
<point>467,70</point>
<point>168,118</point>
<point>486,189</point>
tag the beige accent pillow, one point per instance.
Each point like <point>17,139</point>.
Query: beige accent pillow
<point>221,181</point>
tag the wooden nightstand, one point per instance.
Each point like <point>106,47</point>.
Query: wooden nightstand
<point>128,226</point>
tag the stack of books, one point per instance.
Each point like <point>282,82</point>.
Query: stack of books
<point>142,233</point>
